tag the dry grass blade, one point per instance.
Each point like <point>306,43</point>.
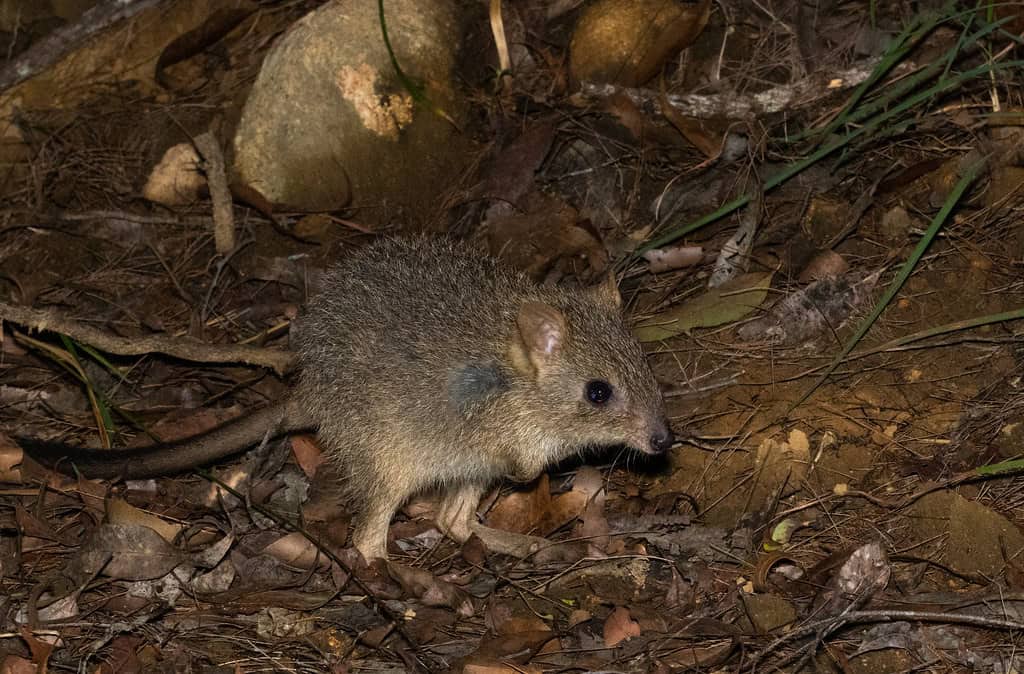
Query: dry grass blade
<point>500,41</point>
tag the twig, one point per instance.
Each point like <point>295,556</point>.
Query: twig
<point>285,522</point>
<point>220,193</point>
<point>222,261</point>
<point>51,321</point>
<point>829,625</point>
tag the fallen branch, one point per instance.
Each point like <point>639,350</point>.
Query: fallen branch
<point>731,106</point>
<point>220,194</point>
<point>825,627</point>
<point>185,349</point>
<point>66,39</point>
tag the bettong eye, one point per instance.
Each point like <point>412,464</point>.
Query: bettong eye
<point>598,392</point>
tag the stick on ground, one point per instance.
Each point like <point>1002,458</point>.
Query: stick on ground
<point>186,349</point>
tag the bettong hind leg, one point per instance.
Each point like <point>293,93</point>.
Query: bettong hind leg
<point>457,518</point>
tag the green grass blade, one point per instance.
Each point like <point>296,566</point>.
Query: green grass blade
<point>418,93</point>
<point>942,85</point>
<point>97,399</point>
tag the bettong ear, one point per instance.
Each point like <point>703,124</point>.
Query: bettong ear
<point>607,290</point>
<point>542,336</point>
<point>542,329</point>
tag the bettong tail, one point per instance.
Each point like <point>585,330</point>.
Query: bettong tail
<point>173,457</point>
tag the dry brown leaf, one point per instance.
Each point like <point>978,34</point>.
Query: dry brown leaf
<point>699,656</point>
<point>513,618</point>
<point>296,550</point>
<point>729,302</point>
<point>579,616</point>
<point>564,508</point>
<point>545,231</point>
<point>516,648</point>
<point>40,649</point>
<point>10,460</point>
<point>430,589</point>
<point>692,129</point>
<point>594,525</point>
<point>177,427</point>
<point>123,655</point>
<point>33,527</point>
<point>639,124</point>
<point>498,668</point>
<point>588,481</point>
<point>511,175</point>
<point>619,627</point>
<point>128,552</point>
<point>120,511</point>
<point>307,454</point>
<point>12,664</point>
<point>521,511</point>
<point>536,511</point>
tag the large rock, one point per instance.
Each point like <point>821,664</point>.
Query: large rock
<point>627,41</point>
<point>328,124</point>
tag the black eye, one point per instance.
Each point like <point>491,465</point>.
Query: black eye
<point>598,392</point>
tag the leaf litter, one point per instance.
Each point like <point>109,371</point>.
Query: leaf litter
<point>860,525</point>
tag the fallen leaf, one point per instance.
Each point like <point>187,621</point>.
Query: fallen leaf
<point>177,427</point>
<point>33,527</point>
<point>826,264</point>
<point>120,511</point>
<point>512,618</point>
<point>61,609</point>
<point>546,231</point>
<point>12,664</point>
<point>579,616</point>
<point>307,454</point>
<point>521,511</point>
<point>517,648</point>
<point>430,589</point>
<point>510,175</point>
<point>278,622</point>
<point>296,550</point>
<point>588,481</point>
<point>498,668</point>
<point>10,459</point>
<point>123,655</point>
<point>126,551</point>
<point>727,303</point>
<point>619,627</point>
<point>594,525</point>
<point>211,555</point>
<point>40,648</point>
<point>217,580</point>
<point>536,510</point>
